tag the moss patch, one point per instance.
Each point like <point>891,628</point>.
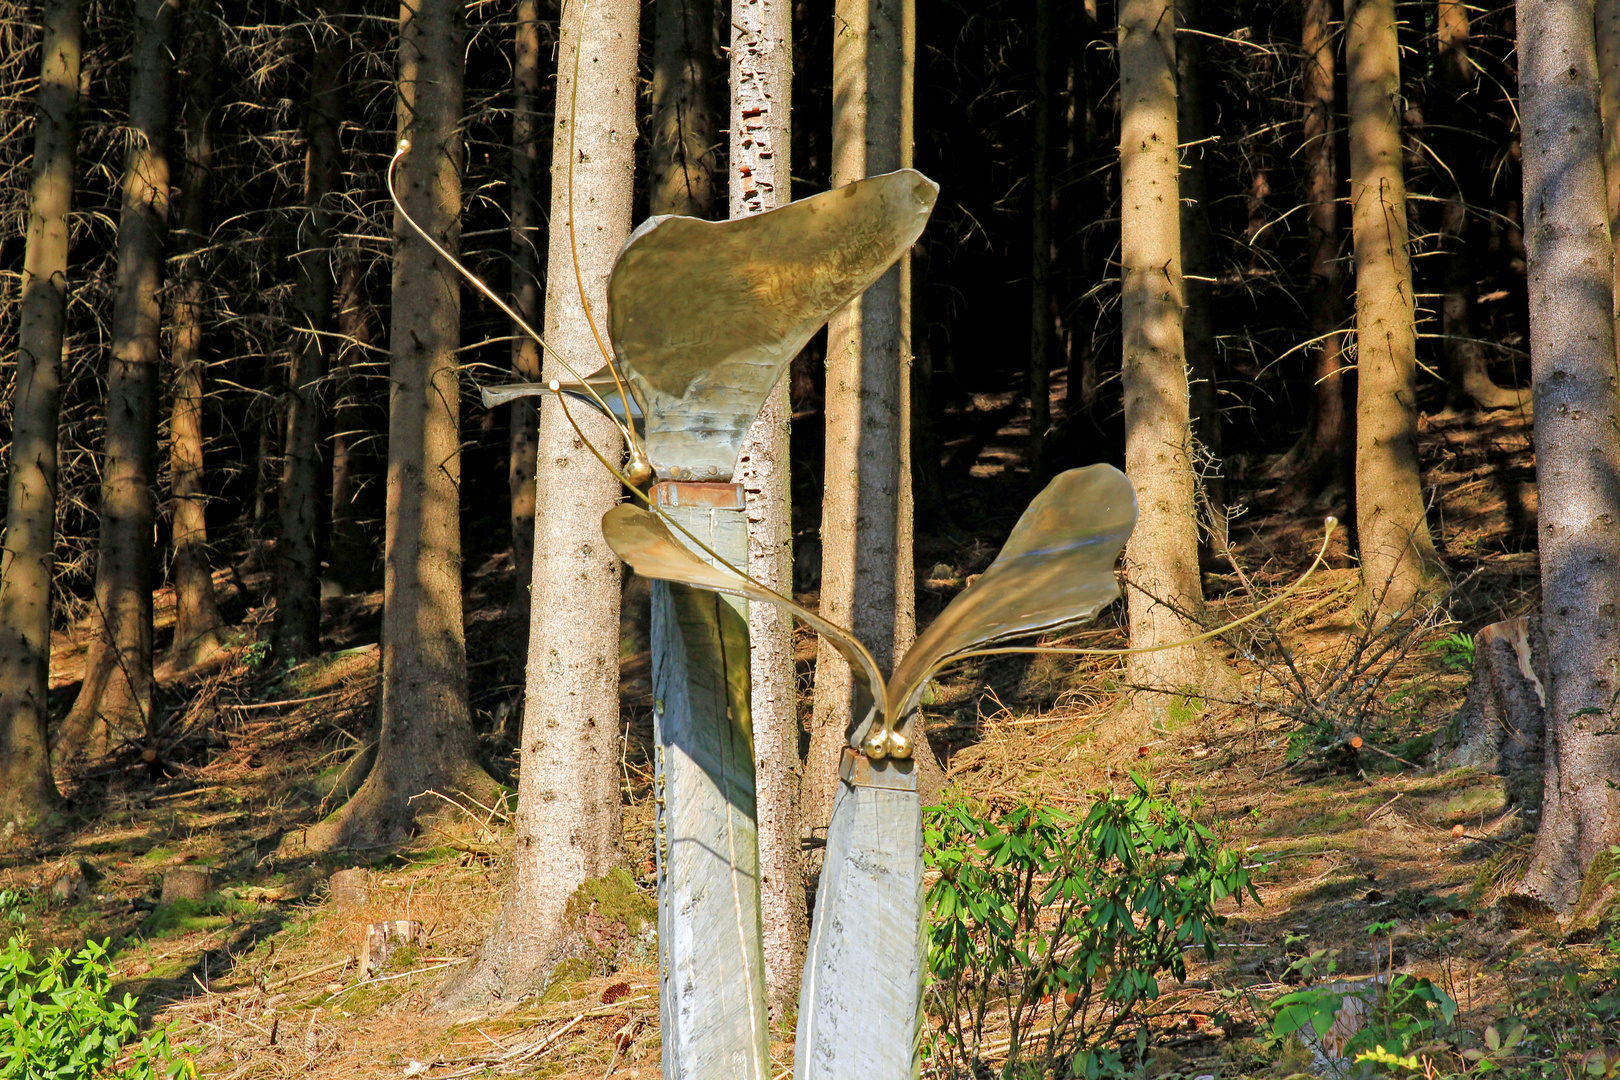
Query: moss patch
<point>614,897</point>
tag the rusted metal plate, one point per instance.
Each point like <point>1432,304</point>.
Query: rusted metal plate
<point>673,493</point>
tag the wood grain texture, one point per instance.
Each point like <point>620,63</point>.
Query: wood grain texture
<point>712,1006</point>
<point>861,1002</point>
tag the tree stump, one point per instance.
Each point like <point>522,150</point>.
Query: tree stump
<point>1500,726</point>
<point>187,883</point>
<point>348,887</point>
<point>383,940</point>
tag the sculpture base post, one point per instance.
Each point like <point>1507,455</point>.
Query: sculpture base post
<point>860,1005</point>
<point>711,956</point>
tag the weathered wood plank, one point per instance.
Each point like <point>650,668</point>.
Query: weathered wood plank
<point>712,1007</point>
<point>860,1005</point>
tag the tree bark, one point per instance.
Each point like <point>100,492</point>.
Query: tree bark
<point>1577,438</point>
<point>524,422</point>
<point>868,582</point>
<point>760,179</point>
<point>197,622</point>
<point>1325,453</point>
<point>1398,560</point>
<point>297,632</point>
<point>1166,601</point>
<point>1462,225</point>
<point>1607,26</point>
<point>351,558</point>
<point>1042,138</point>
<point>425,740</point>
<point>27,791</point>
<point>683,157</point>
<point>115,700</point>
<point>568,815</point>
<point>1198,270</point>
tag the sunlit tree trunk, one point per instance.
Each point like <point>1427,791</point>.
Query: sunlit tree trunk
<point>27,790</point>
<point>524,422</point>
<point>1398,559</point>
<point>568,814</point>
<point>760,155</point>
<point>1166,597</point>
<point>868,582</point>
<point>298,568</point>
<point>425,741</point>
<point>115,701</point>
<point>1577,439</point>
<point>197,622</point>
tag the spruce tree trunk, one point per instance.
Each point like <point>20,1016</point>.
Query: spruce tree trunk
<point>524,421</point>
<point>27,791</point>
<point>1462,222</point>
<point>350,562</point>
<point>1577,437</point>
<point>197,622</point>
<point>1166,601</point>
<point>683,157</point>
<point>1325,452</point>
<point>1198,269</point>
<point>761,142</point>
<point>115,701</point>
<point>568,816</point>
<point>1608,59</point>
<point>425,740</point>
<point>868,582</point>
<point>1040,246</point>
<point>1398,560</point>
<point>297,631</point>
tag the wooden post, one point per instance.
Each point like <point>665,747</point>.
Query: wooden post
<point>712,1001</point>
<point>860,1007</point>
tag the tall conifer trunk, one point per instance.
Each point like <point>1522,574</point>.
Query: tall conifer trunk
<point>1462,220</point>
<point>524,421</point>
<point>115,701</point>
<point>1167,599</point>
<point>425,741</point>
<point>298,569</point>
<point>1398,559</point>
<point>197,622</point>
<point>868,582</point>
<point>1577,437</point>
<point>27,790</point>
<point>568,815</point>
<point>1325,452</point>
<point>761,142</point>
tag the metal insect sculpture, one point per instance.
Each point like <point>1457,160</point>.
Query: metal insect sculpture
<point>684,380</point>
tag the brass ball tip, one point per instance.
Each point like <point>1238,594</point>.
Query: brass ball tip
<point>899,745</point>
<point>639,471</point>
<point>876,746</point>
<point>554,386</point>
<point>1331,523</point>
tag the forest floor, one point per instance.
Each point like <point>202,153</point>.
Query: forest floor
<point>261,974</point>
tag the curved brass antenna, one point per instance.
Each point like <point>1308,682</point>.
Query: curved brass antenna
<point>484,290</point>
